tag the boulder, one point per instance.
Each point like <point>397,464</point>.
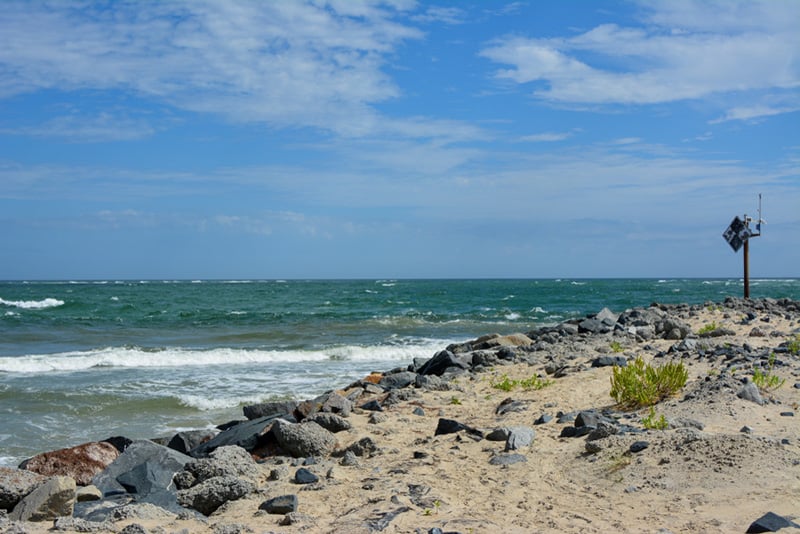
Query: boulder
<point>247,435</point>
<point>184,442</point>
<point>449,426</point>
<point>16,484</point>
<point>280,505</point>
<point>440,362</point>
<point>303,439</point>
<point>210,494</point>
<point>608,361</point>
<point>330,422</point>
<point>398,380</point>
<point>519,437</point>
<point>750,392</point>
<point>494,341</point>
<point>81,463</point>
<point>227,461</point>
<point>337,404</point>
<point>266,409</point>
<point>55,498</point>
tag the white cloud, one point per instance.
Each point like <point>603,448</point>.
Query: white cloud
<point>748,113</point>
<point>285,63</point>
<point>447,15</point>
<point>690,50</point>
<point>78,128</point>
<point>547,137</point>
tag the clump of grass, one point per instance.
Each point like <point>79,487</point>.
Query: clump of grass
<point>455,400</point>
<point>616,346</point>
<point>766,380</point>
<point>640,384</point>
<point>653,422</point>
<point>794,345</point>
<point>532,383</point>
<point>705,329</point>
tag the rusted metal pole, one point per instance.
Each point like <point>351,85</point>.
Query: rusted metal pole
<point>747,268</point>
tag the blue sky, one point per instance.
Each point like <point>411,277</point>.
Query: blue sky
<point>397,139</point>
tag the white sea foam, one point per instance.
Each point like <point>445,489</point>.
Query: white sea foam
<point>33,304</point>
<point>513,316</point>
<point>134,357</point>
<point>538,309</point>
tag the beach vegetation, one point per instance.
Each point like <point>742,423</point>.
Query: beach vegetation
<point>616,346</point>
<point>455,400</point>
<point>535,382</point>
<point>708,328</point>
<point>639,384</point>
<point>794,345</point>
<point>652,421</point>
<point>767,380</point>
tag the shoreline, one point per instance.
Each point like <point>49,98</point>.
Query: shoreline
<point>703,473</point>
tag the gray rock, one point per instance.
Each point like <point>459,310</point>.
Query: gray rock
<point>209,495</point>
<point>335,403</point>
<point>770,522</point>
<point>304,476</point>
<point>398,380</point>
<point>184,442</point>
<point>247,435</point>
<point>750,393</point>
<point>284,504</point>
<point>158,464</point>
<point>224,461</point>
<point>269,409</point>
<point>639,446</point>
<point>55,498</point>
<point>364,447</point>
<point>134,528</point>
<point>432,383</point>
<point>330,422</point>
<point>544,418</point>
<point>498,434</point>
<point>16,484</point>
<point>74,524</point>
<point>303,439</point>
<point>608,361</point>
<point>440,362</point>
<point>507,459</point>
<point>519,437</point>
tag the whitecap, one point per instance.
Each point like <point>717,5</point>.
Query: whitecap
<point>33,304</point>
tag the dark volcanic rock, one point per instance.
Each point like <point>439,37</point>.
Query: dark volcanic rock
<point>280,505</point>
<point>440,362</point>
<point>247,435</point>
<point>608,361</point>
<point>330,422</point>
<point>770,522</point>
<point>209,495</point>
<point>449,426</point>
<point>267,409</point>
<point>184,442</point>
<point>398,380</point>
<point>304,476</point>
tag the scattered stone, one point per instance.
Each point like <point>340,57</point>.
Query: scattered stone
<point>544,418</point>
<point>284,504</point>
<point>372,406</point>
<point>507,459</point>
<point>639,446</point>
<point>418,411</point>
<point>338,404</point>
<point>134,528</point>
<point>55,498</point>
<point>74,524</point>
<point>442,361</point>
<point>449,426</point>
<point>376,418</point>
<point>608,361</point>
<point>269,409</point>
<point>746,429</point>
<point>81,463</point>
<point>398,380</point>
<point>296,518</point>
<point>770,522</point>
<point>787,414</point>
<point>364,447</point>
<point>750,393</point>
<point>593,447</point>
<point>304,476</point>
<point>519,437</point>
<point>510,405</point>
<point>184,442</point>
<point>210,494</point>
<point>330,421</point>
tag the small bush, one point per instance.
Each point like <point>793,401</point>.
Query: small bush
<point>534,382</point>
<point>794,345</point>
<point>616,346</point>
<point>651,422</point>
<point>708,328</point>
<point>641,384</point>
<point>766,380</point>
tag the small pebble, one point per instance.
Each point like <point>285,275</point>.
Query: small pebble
<point>639,446</point>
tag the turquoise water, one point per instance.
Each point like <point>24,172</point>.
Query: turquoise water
<point>81,361</point>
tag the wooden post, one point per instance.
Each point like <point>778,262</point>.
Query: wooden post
<point>746,269</point>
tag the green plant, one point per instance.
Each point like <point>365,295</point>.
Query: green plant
<point>794,345</point>
<point>455,400</point>
<point>708,328</point>
<point>534,382</point>
<point>767,380</point>
<point>639,384</point>
<point>616,346</point>
<point>651,422</point>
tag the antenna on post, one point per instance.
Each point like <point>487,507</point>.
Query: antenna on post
<point>737,234</point>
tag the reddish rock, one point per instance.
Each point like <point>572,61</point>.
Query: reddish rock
<point>82,462</point>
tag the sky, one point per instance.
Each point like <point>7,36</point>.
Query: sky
<point>397,139</point>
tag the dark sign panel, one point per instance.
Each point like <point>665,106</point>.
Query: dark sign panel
<point>736,234</point>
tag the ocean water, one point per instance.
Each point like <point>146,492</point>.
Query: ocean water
<point>86,360</point>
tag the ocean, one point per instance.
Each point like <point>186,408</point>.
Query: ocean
<point>86,360</point>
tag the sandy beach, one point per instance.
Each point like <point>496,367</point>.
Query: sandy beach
<point>722,462</point>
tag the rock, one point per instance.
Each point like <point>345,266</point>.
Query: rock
<point>337,404</point>
<point>507,459</point>
<point>544,418</point>
<point>593,447</point>
<point>770,522</point>
<point>184,442</point>
<point>608,361</point>
<point>269,409</point>
<point>432,383</point>
<point>494,341</point>
<point>398,380</point>
<point>145,470</point>
<point>372,406</point>
<point>364,447</point>
<point>88,493</point>
<point>510,405</point>
<point>440,362</point>
<point>603,430</point>
<point>134,528</point>
<point>595,326</point>
<point>639,446</point>
<point>284,504</point>
<point>16,484</point>
<point>519,437</point>
<point>81,463</point>
<point>303,439</point>
<point>376,418</point>
<point>55,498</point>
<point>588,419</point>
<point>304,476</point>
<point>210,494</point>
<point>449,426</point>
<point>224,461</point>
<point>330,422</point>
<point>248,435</point>
<point>750,392</point>
<point>498,434</point>
<point>74,524</point>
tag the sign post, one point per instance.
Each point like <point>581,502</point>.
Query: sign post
<point>738,234</point>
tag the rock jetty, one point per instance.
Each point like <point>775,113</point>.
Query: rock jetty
<point>503,433</point>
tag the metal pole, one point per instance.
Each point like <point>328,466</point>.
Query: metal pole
<point>746,269</point>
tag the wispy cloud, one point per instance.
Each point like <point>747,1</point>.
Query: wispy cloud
<point>78,128</point>
<point>734,47</point>
<point>548,137</point>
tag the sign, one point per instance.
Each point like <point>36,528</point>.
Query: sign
<point>736,234</point>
